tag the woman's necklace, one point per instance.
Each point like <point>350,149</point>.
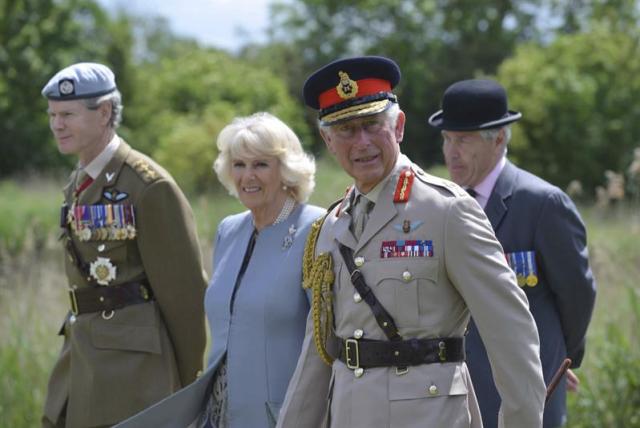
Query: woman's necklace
<point>287,208</point>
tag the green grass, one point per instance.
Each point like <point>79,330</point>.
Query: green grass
<point>33,299</point>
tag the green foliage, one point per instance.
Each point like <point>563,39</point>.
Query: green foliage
<point>434,42</point>
<point>579,100</point>
<point>190,98</point>
<point>38,38</point>
<point>27,216</point>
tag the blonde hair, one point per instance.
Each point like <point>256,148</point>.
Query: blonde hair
<point>264,135</point>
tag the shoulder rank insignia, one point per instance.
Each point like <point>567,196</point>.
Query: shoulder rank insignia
<point>145,170</point>
<point>115,195</point>
<point>523,264</point>
<point>403,188</point>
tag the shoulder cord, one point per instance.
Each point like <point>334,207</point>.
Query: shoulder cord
<point>317,275</point>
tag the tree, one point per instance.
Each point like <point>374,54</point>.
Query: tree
<point>38,38</point>
<point>435,42</point>
<point>185,100</point>
<point>579,97</point>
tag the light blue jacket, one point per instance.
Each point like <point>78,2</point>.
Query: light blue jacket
<point>261,336</point>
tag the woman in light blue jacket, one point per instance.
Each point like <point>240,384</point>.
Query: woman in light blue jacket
<point>255,303</point>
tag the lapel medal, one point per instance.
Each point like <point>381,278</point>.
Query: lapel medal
<point>102,270</point>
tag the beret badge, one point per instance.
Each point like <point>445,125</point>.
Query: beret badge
<point>66,87</point>
<point>347,88</point>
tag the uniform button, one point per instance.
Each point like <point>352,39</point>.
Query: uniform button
<point>101,247</point>
<point>433,390</point>
<point>72,319</point>
<point>358,372</point>
<point>357,297</point>
<point>359,261</point>
<point>358,333</point>
<point>199,373</point>
<point>406,275</point>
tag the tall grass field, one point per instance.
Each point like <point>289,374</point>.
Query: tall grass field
<point>33,299</point>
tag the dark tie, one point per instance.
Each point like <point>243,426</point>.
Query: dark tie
<point>471,192</point>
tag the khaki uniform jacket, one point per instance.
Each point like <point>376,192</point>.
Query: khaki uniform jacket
<point>110,369</point>
<point>466,274</point>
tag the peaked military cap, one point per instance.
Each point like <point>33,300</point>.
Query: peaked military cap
<point>472,105</point>
<point>81,80</point>
<point>352,87</point>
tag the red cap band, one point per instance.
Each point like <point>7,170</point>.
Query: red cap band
<point>365,87</point>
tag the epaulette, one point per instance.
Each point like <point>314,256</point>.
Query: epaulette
<point>452,187</point>
<point>145,170</point>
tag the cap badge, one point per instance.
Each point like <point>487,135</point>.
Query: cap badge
<point>347,88</point>
<point>66,87</point>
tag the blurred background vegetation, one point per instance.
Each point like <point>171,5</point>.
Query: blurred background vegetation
<point>571,66</point>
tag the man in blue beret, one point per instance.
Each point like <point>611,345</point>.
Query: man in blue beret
<point>542,234</point>
<point>396,269</point>
<point>135,329</point>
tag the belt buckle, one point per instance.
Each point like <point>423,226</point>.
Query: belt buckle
<point>356,351</point>
<point>74,301</point>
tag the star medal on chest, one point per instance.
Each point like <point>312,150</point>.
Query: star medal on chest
<point>102,270</point>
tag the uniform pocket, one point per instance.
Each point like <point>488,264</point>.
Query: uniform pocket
<point>134,328</point>
<point>434,394</point>
<point>397,284</point>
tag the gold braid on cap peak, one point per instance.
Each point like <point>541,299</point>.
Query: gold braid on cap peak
<point>317,275</point>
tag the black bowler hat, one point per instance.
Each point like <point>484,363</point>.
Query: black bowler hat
<point>472,105</point>
<point>352,87</point>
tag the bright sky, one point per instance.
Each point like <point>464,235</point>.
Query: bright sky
<point>226,24</point>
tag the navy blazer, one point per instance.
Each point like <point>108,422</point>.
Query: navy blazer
<point>261,336</point>
<point>529,214</point>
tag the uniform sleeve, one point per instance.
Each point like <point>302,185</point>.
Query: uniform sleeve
<point>561,245</point>
<point>305,402</point>
<point>476,265</point>
<point>170,252</point>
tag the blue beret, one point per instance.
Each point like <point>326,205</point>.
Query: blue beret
<point>352,87</point>
<point>473,105</point>
<point>82,80</point>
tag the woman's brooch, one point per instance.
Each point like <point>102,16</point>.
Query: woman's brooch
<point>288,239</point>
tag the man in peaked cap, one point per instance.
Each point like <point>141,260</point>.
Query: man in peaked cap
<point>539,228</point>
<point>135,329</point>
<point>397,267</point>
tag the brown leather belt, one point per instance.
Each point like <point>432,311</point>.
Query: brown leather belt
<point>362,353</point>
<point>95,299</point>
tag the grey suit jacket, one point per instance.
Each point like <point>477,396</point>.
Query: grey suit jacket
<point>428,295</point>
<point>530,215</point>
<point>260,334</point>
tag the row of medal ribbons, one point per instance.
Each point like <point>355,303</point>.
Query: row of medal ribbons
<point>523,264</point>
<point>103,222</point>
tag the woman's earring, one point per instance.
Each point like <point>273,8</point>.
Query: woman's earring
<point>284,187</point>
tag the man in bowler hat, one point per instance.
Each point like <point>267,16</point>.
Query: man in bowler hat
<point>542,234</point>
<point>398,267</point>
<point>135,329</point>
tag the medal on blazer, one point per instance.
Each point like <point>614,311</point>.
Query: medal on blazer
<point>523,264</point>
<point>102,270</point>
<point>103,222</point>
